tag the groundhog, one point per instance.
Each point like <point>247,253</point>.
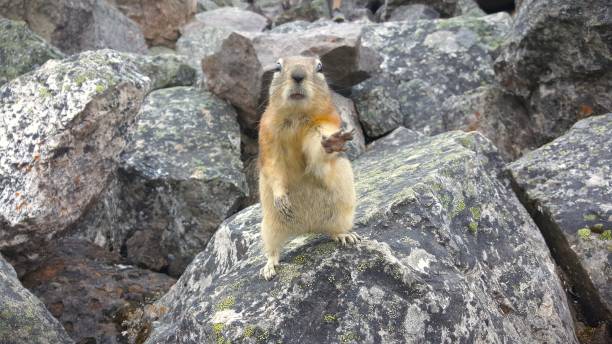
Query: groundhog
<point>305,180</point>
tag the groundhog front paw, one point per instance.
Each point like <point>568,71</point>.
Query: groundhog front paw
<point>283,205</point>
<point>344,238</point>
<point>336,142</point>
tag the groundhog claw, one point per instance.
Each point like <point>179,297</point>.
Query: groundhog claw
<point>268,271</point>
<point>283,205</point>
<point>335,142</point>
<point>351,238</point>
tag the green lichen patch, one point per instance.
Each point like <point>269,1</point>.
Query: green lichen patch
<point>589,217</point>
<point>330,318</point>
<point>473,226</point>
<point>606,235</point>
<point>475,213</point>
<point>226,303</point>
<point>348,337</point>
<point>584,233</point>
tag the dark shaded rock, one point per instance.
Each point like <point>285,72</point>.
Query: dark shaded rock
<point>88,289</point>
<point>421,65</point>
<point>180,176</point>
<point>23,318</point>
<point>63,128</point>
<point>499,116</point>
<point>566,186</point>
<point>75,26</point>
<point>21,50</point>
<point>492,6</point>
<point>160,20</point>
<point>236,71</point>
<point>558,58</point>
<point>205,34</point>
<point>411,13</point>
<point>449,255</point>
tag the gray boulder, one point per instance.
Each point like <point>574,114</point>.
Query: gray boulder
<point>557,58</point>
<point>64,126</point>
<point>165,70</point>
<point>75,26</point>
<point>411,13</point>
<point>23,318</point>
<point>21,50</point>
<point>448,255</point>
<point>499,116</point>
<point>421,65</point>
<point>180,176</point>
<point>204,35</point>
<point>566,186</point>
<point>446,8</point>
<point>239,71</point>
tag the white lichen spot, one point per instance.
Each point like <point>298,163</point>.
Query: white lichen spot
<point>226,317</point>
<point>419,259</point>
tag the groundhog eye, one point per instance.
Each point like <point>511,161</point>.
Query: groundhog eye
<point>319,67</point>
<point>278,67</point>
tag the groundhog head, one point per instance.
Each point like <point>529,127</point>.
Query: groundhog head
<point>298,84</point>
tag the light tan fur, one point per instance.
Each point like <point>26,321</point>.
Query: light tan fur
<point>303,188</point>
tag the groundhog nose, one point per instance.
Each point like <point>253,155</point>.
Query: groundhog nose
<point>298,76</point>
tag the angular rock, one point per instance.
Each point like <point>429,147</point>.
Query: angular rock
<point>204,35</point>
<point>89,289</point>
<point>180,176</point>
<point>557,57</point>
<point>165,70</point>
<point>23,318</point>
<point>446,8</point>
<point>566,186</point>
<point>21,50</point>
<point>75,26</point>
<point>63,128</point>
<point>160,20</point>
<point>309,10</point>
<point>499,116</point>
<point>411,13</point>
<point>236,71</point>
<point>421,65</point>
<point>448,255</point>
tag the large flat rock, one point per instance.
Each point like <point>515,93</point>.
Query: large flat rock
<point>566,186</point>
<point>449,255</point>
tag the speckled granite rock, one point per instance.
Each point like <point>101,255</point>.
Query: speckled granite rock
<point>239,71</point>
<point>449,255</point>
<point>21,50</point>
<point>446,8</point>
<point>180,176</point>
<point>75,26</point>
<point>63,128</point>
<point>558,57</point>
<point>88,289</point>
<point>23,318</point>
<point>160,20</point>
<point>205,34</point>
<point>499,116</point>
<point>421,65</point>
<point>566,186</point>
<point>165,70</point>
<point>309,10</point>
<point>414,12</point>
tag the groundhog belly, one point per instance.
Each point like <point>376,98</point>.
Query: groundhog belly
<point>319,206</point>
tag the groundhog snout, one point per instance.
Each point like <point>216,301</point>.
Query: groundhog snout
<point>298,76</point>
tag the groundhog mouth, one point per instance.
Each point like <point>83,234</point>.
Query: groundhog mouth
<point>297,95</point>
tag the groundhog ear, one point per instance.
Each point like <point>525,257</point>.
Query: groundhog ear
<point>273,68</point>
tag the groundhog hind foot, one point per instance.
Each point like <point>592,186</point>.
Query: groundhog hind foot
<point>268,271</point>
<point>344,238</point>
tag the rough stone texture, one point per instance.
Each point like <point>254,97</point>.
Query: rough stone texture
<point>566,186</point>
<point>501,117</point>
<point>88,289</point>
<point>165,70</point>
<point>446,8</point>
<point>350,121</point>
<point>449,255</point>
<point>179,178</point>
<point>21,50</point>
<point>239,72</point>
<point>421,65</point>
<point>411,13</point>
<point>160,20</point>
<point>558,57</point>
<point>23,318</point>
<point>63,127</point>
<point>309,10</point>
<point>204,35</point>
<point>75,26</point>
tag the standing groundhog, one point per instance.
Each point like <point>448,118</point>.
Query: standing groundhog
<point>305,183</point>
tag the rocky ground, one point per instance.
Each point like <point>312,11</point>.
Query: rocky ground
<point>482,158</point>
